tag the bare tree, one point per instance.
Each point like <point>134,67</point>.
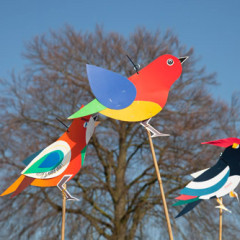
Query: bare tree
<point>117,186</point>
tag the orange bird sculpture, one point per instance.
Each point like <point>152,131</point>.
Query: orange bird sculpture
<point>59,162</point>
<point>136,99</point>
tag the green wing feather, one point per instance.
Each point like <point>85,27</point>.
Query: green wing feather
<point>93,107</point>
<point>38,166</point>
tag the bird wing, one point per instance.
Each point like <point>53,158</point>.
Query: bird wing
<point>31,157</point>
<point>208,182</point>
<point>93,107</point>
<point>111,89</point>
<point>205,186</point>
<point>211,172</point>
<point>51,161</point>
<point>231,183</point>
<point>198,173</point>
<point>200,188</point>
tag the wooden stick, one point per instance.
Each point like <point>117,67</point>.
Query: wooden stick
<point>160,185</point>
<point>220,221</point>
<point>63,211</point>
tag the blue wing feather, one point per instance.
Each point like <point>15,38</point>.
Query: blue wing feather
<point>111,89</point>
<point>52,160</point>
<point>46,163</point>
<point>31,157</point>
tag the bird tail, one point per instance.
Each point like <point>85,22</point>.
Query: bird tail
<point>188,208</point>
<point>192,201</point>
<point>18,186</point>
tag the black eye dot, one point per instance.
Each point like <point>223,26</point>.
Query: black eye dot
<point>170,62</point>
<point>85,124</point>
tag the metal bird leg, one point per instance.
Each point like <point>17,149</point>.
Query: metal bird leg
<point>155,132</point>
<point>60,185</point>
<point>221,206</point>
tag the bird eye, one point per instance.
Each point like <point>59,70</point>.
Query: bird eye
<point>85,124</point>
<point>170,62</point>
<point>95,118</point>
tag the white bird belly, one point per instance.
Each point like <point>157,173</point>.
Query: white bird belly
<point>229,186</point>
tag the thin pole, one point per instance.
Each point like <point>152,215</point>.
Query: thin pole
<point>63,211</point>
<point>220,221</point>
<point>160,185</point>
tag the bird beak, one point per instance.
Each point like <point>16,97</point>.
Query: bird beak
<point>96,123</point>
<point>235,145</point>
<point>183,59</point>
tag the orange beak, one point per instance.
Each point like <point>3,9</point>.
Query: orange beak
<point>96,123</point>
<point>183,59</point>
<point>235,145</point>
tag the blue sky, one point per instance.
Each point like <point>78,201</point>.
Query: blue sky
<point>211,27</point>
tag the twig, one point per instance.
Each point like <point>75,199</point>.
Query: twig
<point>63,212</point>
<point>220,221</point>
<point>160,185</point>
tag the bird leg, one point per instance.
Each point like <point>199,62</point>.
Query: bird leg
<point>64,179</point>
<point>221,205</point>
<point>155,132</point>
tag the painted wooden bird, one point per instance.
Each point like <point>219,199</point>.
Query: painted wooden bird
<point>214,182</point>
<point>136,99</point>
<point>59,162</point>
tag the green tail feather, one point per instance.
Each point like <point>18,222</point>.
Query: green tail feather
<point>91,108</point>
<point>181,202</point>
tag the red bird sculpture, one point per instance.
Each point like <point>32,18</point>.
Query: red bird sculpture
<point>59,162</point>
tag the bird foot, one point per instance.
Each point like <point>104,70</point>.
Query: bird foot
<point>155,132</point>
<point>61,184</point>
<point>221,206</point>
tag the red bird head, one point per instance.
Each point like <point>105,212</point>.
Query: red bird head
<point>81,129</point>
<point>168,66</point>
<point>226,142</point>
<point>155,80</point>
